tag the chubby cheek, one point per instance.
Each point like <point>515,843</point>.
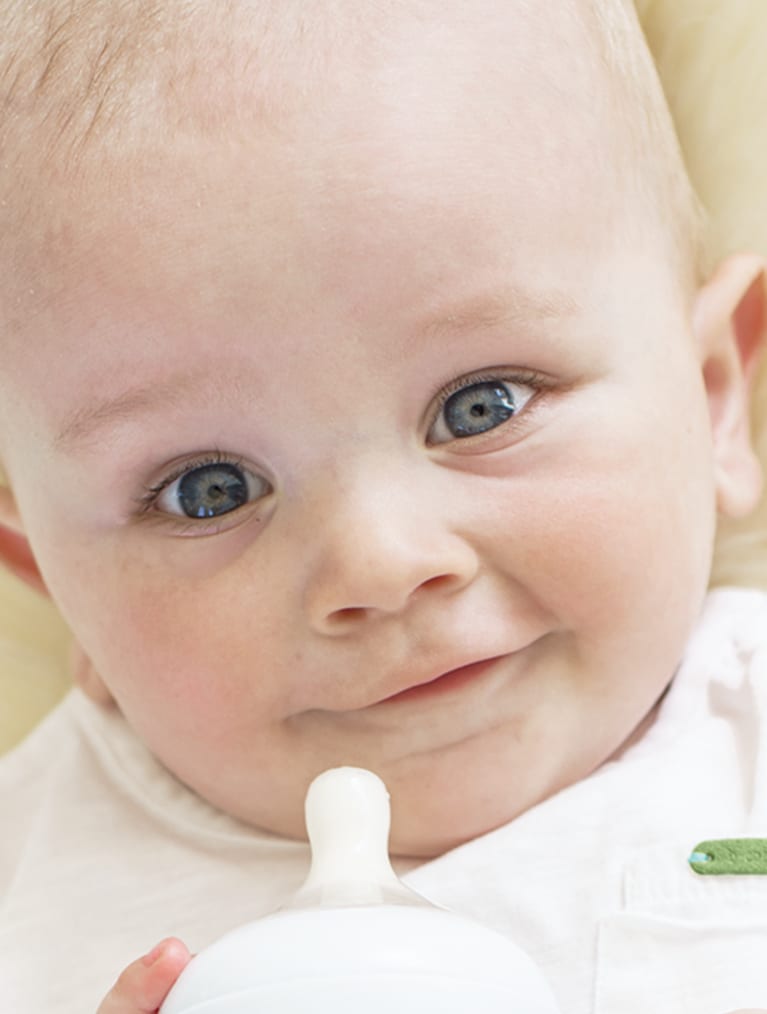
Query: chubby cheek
<point>195,658</point>
<point>614,539</point>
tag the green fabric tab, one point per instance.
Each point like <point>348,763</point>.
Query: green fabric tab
<point>740,856</point>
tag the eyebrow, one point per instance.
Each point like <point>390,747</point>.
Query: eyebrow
<point>84,425</point>
<point>512,308</point>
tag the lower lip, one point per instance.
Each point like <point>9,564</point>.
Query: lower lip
<point>453,680</point>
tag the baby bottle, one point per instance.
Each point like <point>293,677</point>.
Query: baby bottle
<point>354,938</point>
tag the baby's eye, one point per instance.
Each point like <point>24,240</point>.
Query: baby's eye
<point>479,407</point>
<point>209,490</point>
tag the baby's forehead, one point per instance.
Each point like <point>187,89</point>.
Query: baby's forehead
<point>89,84</point>
<point>83,68</point>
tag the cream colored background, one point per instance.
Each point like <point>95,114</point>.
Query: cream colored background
<point>711,57</point>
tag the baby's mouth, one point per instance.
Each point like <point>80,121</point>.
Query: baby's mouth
<point>444,683</point>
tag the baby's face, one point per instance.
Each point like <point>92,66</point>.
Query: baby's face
<point>415,394</point>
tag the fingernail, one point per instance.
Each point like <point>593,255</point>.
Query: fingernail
<point>154,954</point>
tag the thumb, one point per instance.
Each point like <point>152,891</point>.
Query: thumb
<point>145,983</point>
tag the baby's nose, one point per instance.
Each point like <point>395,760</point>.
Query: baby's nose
<point>379,547</point>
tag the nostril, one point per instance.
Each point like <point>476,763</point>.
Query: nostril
<point>439,583</point>
<point>351,614</point>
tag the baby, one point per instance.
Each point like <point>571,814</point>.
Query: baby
<point>367,399</point>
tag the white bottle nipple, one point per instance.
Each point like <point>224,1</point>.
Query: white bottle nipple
<point>347,819</point>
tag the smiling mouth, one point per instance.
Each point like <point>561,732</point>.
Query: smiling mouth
<point>454,679</point>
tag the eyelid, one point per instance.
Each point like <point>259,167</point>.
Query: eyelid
<point>533,379</point>
<point>199,526</point>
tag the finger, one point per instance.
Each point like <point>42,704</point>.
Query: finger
<point>145,983</point>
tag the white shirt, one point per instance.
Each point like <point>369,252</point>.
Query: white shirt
<point>103,853</point>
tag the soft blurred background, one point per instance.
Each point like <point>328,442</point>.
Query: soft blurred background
<point>711,56</point>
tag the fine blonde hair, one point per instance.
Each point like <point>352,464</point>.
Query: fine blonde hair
<point>709,54</point>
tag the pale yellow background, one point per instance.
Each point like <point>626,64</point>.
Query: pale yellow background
<point>33,664</point>
<point>711,56</point>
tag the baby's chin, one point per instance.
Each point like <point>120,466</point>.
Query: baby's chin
<point>425,823</point>
<point>429,824</point>
<point>441,798</point>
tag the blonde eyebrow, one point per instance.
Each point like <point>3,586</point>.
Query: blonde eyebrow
<point>86,423</point>
<point>511,308</point>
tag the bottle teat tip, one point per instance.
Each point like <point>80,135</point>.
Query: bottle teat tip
<point>347,820</point>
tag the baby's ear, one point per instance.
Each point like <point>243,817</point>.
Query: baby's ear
<point>15,551</point>
<point>730,325</point>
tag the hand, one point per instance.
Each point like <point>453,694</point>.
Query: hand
<point>143,985</point>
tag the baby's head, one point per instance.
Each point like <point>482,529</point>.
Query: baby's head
<point>347,345</point>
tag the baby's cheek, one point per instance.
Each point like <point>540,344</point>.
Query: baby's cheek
<point>607,546</point>
<point>198,656</point>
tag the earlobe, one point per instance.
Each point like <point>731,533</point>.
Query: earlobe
<point>730,325</point>
<point>15,551</point>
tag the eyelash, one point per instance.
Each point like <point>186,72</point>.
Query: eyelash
<point>151,494</point>
<point>525,378</point>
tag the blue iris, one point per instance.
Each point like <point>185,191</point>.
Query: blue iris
<point>211,490</point>
<point>478,408</point>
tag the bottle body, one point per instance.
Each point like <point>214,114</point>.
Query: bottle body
<point>382,959</point>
